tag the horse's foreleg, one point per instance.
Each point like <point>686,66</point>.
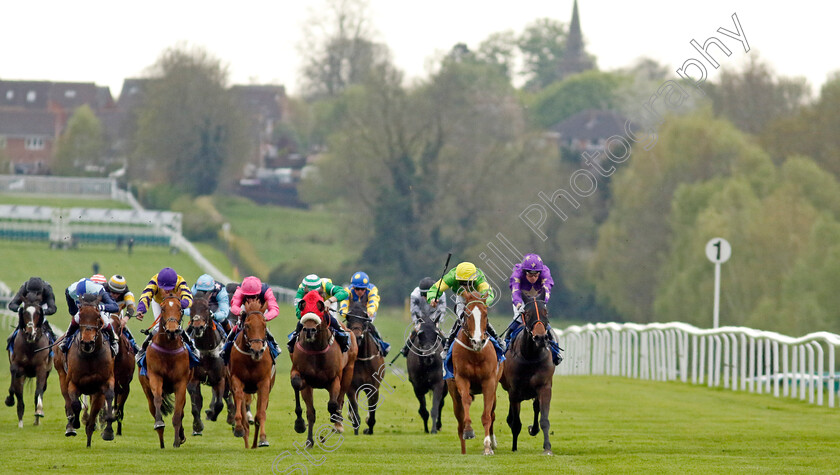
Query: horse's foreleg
<point>488,392</point>
<point>535,428</point>
<point>240,417</point>
<point>373,401</point>
<point>353,411</point>
<point>306,392</point>
<point>16,395</point>
<point>513,420</point>
<point>424,413</point>
<point>466,401</point>
<point>216,404</point>
<point>74,407</point>
<point>196,401</point>
<point>438,399</point>
<point>545,404</point>
<point>96,402</point>
<point>458,409</point>
<point>300,426</point>
<point>178,413</point>
<point>40,387</point>
<point>107,398</point>
<point>334,405</point>
<point>262,406</point>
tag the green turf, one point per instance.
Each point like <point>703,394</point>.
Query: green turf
<point>598,425</point>
<point>21,199</point>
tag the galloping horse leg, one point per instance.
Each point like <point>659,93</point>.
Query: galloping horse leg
<point>229,402</point>
<point>108,395</point>
<point>310,414</point>
<point>438,396</point>
<point>424,413</point>
<point>353,412</point>
<point>72,407</point>
<point>178,414</point>
<point>334,406</point>
<point>155,390</point>
<point>297,384</point>
<point>16,393</point>
<point>535,428</point>
<point>373,401</point>
<point>262,406</point>
<point>488,391</point>
<point>545,404</point>
<point>216,404</point>
<point>96,402</point>
<point>240,428</point>
<point>40,387</point>
<point>458,408</point>
<point>466,401</point>
<point>194,388</point>
<point>513,420</point>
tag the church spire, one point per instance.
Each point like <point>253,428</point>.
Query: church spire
<point>575,60</point>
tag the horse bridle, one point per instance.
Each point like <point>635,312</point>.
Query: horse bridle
<point>249,341</point>
<point>30,328</point>
<point>539,321</point>
<point>366,324</point>
<point>207,320</point>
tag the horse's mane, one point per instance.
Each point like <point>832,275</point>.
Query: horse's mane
<point>357,310</point>
<point>254,305</point>
<point>89,299</point>
<point>200,305</point>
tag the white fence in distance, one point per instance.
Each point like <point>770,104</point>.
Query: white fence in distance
<point>735,358</point>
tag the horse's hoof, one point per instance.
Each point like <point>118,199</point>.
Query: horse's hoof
<point>238,433</point>
<point>548,452</point>
<point>159,425</point>
<point>39,413</point>
<point>355,431</point>
<point>339,427</point>
<point>36,423</point>
<point>10,400</point>
<point>488,451</point>
<point>434,431</point>
<point>368,431</point>
<point>533,430</point>
<point>263,443</point>
<point>469,434</point>
<point>250,418</point>
<point>196,433</point>
<point>211,416</point>
<point>198,427</point>
<point>70,433</point>
<point>493,443</point>
<point>20,424</point>
<point>300,426</point>
<point>108,434</point>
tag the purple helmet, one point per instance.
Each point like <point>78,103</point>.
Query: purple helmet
<point>532,263</point>
<point>167,278</point>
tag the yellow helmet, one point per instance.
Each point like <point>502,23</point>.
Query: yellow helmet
<point>466,271</point>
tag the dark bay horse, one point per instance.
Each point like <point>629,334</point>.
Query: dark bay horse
<point>124,368</point>
<point>475,364</point>
<point>211,371</point>
<point>318,362</point>
<point>26,362</point>
<point>167,370</point>
<point>251,371</point>
<point>528,372</point>
<point>88,369</point>
<point>368,369</point>
<point>425,371</point>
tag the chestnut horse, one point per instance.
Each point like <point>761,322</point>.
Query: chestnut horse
<point>25,361</point>
<point>425,371</point>
<point>475,364</point>
<point>167,370</point>
<point>528,372</point>
<point>318,362</point>
<point>251,371</point>
<point>211,369</point>
<point>368,369</point>
<point>88,369</point>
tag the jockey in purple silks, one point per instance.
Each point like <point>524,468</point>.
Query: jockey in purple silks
<point>530,280</point>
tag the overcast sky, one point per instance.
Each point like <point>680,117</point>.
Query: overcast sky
<point>107,41</point>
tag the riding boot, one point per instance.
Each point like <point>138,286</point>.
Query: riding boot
<point>190,344</point>
<point>48,330</point>
<point>404,350</point>
<point>68,335</point>
<point>115,341</point>
<point>272,343</point>
<point>451,338</point>
<point>341,336</point>
<point>293,337</point>
<point>131,340</point>
<point>556,357</point>
<point>383,346</point>
<point>139,355</point>
<point>9,340</point>
<point>511,330</point>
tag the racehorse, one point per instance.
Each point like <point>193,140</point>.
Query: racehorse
<point>318,362</point>
<point>368,369</point>
<point>88,369</point>
<point>425,371</point>
<point>211,370</point>
<point>528,372</point>
<point>251,371</point>
<point>475,364</point>
<point>167,370</point>
<point>123,371</point>
<point>25,361</point>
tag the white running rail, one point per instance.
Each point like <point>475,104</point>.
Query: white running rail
<point>735,358</point>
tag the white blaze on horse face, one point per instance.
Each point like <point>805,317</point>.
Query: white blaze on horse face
<point>31,310</point>
<point>171,303</point>
<point>476,313</point>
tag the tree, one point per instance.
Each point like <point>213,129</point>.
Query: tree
<point>190,129</point>
<point>81,143</point>
<point>339,48</point>
<point>542,45</point>
<point>587,90</point>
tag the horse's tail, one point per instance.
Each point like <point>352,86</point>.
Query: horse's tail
<point>166,405</point>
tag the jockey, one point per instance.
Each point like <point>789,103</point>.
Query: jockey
<point>531,279</point>
<point>73,295</point>
<point>118,289</point>
<point>35,287</point>
<point>217,298</point>
<point>160,285</point>
<point>420,309</point>
<point>253,288</point>
<point>465,277</point>
<point>363,291</point>
<point>331,294</point>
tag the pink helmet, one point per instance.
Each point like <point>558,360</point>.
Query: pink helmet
<point>251,286</point>
<point>98,278</point>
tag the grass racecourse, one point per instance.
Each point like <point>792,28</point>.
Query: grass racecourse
<point>598,424</point>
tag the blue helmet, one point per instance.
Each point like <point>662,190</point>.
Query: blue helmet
<point>87,286</point>
<point>360,280</point>
<point>205,283</point>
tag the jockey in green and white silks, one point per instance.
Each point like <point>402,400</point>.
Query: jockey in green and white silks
<point>331,294</point>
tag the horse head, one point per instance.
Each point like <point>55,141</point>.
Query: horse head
<point>253,329</point>
<point>200,316</point>
<point>171,314</point>
<point>535,320</point>
<point>312,310</point>
<point>31,317</point>
<point>358,321</point>
<point>475,318</point>
<point>90,323</point>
